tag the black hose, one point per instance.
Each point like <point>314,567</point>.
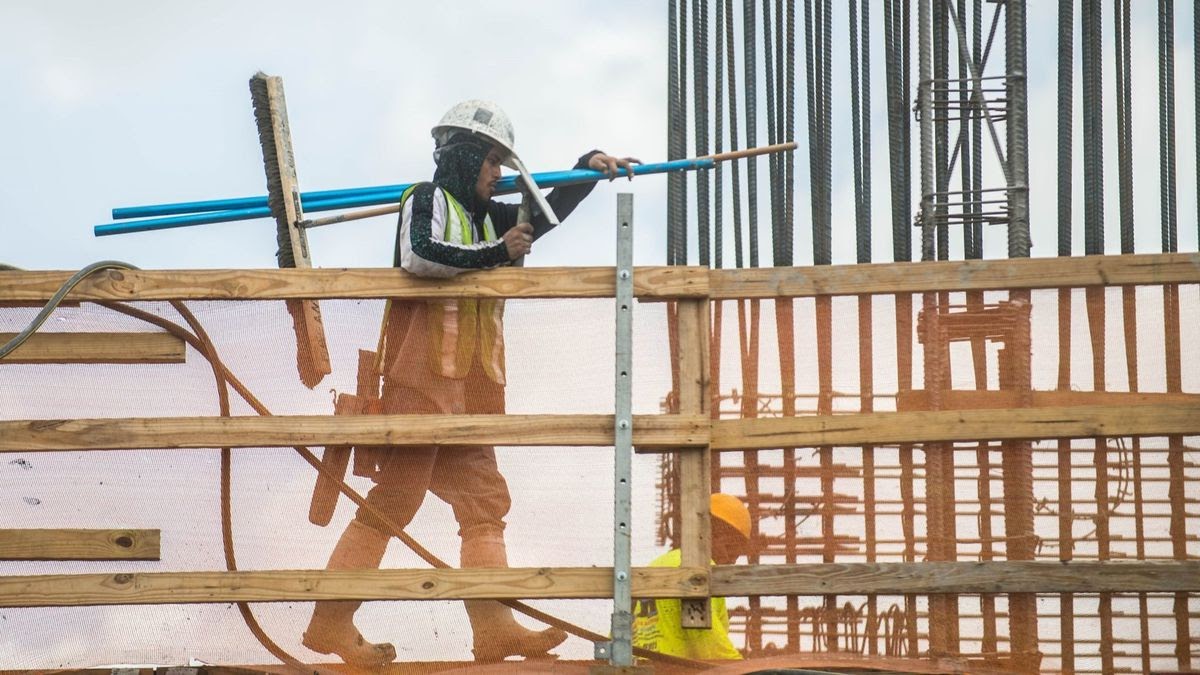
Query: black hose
<point>55,300</point>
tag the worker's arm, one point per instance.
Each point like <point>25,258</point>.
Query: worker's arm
<point>562,199</point>
<point>421,242</point>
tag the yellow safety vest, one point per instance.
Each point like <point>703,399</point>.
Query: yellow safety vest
<point>658,625</point>
<point>456,326</point>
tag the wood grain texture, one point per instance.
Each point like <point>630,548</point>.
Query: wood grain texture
<point>1113,270</point>
<point>598,282</point>
<point>923,578</point>
<point>957,425</point>
<point>694,466</point>
<point>649,431</point>
<point>312,352</point>
<point>325,283</point>
<point>75,544</point>
<point>96,348</point>
<point>973,399</point>
<point>955,577</point>
<point>62,590</point>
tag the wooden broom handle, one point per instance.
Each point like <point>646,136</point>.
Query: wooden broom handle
<point>752,152</point>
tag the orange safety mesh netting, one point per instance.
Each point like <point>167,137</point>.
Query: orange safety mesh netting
<point>1130,499</point>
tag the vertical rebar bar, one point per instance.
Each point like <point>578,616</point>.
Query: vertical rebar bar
<point>1066,120</point>
<point>1124,101</point>
<point>941,126</point>
<point>977,136</point>
<point>817,63</point>
<point>674,113</point>
<point>789,134</point>
<point>1093,127</point>
<point>749,84</point>
<point>718,171</point>
<point>700,96</point>
<point>774,180</point>
<point>925,115</point>
<point>1166,122</point>
<point>735,176</point>
<point>968,116</point>
<point>1017,130</point>
<point>898,110</point>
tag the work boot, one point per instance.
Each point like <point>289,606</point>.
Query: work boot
<point>497,635</point>
<point>331,630</point>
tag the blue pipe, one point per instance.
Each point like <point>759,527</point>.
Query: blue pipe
<point>237,203</point>
<point>248,208</point>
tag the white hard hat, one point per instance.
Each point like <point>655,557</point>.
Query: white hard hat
<point>488,120</point>
<point>481,117</point>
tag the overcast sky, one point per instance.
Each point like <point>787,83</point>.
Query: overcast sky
<point>126,103</point>
<point>116,104</point>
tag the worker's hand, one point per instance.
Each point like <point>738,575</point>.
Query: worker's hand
<point>518,240</point>
<point>611,165</point>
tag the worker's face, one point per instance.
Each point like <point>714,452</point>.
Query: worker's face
<point>489,173</point>
<point>727,543</point>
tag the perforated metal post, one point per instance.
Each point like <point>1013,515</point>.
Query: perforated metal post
<point>621,653</point>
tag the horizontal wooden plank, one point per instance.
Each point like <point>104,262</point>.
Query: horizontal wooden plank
<point>1112,270</point>
<point>956,577</point>
<point>956,425</point>
<point>921,578</point>
<point>593,282</point>
<point>96,348</point>
<point>973,399</point>
<point>74,544</point>
<point>324,283</point>
<point>161,588</point>
<point>650,431</point>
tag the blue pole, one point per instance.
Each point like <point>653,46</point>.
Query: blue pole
<point>248,208</point>
<point>237,203</point>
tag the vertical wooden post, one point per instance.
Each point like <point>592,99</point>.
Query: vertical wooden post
<point>694,465</point>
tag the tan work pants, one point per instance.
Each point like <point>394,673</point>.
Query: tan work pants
<point>465,477</point>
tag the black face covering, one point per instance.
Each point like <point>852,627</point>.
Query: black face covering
<point>458,165</point>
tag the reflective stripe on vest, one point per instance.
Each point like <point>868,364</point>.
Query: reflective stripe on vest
<point>457,326</point>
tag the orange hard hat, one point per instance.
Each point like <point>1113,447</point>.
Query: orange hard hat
<point>732,511</point>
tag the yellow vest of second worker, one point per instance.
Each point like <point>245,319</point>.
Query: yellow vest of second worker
<point>658,625</point>
<point>457,328</point>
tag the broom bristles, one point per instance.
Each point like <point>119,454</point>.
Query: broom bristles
<point>261,100</point>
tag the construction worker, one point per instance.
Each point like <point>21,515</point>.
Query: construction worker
<point>658,624</point>
<point>447,357</point>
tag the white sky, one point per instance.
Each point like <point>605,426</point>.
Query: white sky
<point>127,103</point>
<point>116,104</point>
